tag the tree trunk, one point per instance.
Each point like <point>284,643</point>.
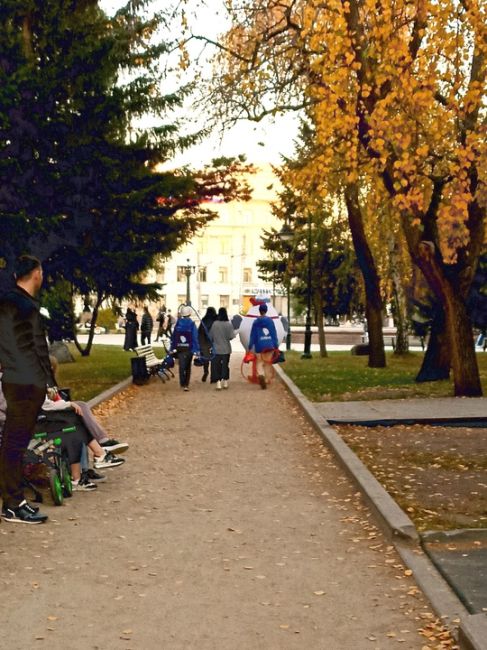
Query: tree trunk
<point>466,378</point>
<point>373,299</point>
<point>320,321</point>
<point>400,321</point>
<point>94,316</point>
<point>437,359</point>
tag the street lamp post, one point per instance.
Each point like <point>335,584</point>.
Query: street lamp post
<point>286,235</point>
<point>307,331</point>
<point>188,271</point>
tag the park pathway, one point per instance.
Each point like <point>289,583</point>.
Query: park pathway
<point>229,527</point>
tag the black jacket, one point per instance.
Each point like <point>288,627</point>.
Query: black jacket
<point>24,355</point>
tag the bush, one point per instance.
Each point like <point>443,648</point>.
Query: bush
<point>106,318</point>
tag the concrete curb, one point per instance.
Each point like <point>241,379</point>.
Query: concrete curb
<point>110,392</point>
<point>394,522</point>
<point>472,631</point>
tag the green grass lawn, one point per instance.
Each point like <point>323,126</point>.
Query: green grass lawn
<point>341,376</point>
<point>90,376</point>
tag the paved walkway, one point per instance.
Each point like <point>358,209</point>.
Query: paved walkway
<point>230,526</point>
<point>440,407</point>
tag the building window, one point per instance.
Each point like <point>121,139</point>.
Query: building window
<point>202,274</point>
<point>204,301</point>
<point>181,299</point>
<point>181,274</point>
<point>247,276</point>
<point>223,274</point>
<point>224,301</point>
<point>225,244</point>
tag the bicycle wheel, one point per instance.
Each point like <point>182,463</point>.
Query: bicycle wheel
<point>56,487</point>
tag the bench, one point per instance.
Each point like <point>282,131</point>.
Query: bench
<point>155,365</point>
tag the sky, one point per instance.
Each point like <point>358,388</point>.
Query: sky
<point>262,142</point>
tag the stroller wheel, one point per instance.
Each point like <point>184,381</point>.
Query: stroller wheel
<point>56,487</point>
<point>66,481</point>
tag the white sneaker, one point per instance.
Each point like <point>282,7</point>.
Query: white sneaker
<point>218,385</point>
<point>225,383</point>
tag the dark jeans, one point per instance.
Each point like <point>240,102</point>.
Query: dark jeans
<point>184,359</point>
<point>23,406</point>
<point>145,338</point>
<point>219,367</point>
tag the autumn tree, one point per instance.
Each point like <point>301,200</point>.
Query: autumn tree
<point>397,92</point>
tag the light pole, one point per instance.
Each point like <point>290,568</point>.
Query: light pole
<point>188,271</point>
<point>307,331</point>
<point>286,235</point>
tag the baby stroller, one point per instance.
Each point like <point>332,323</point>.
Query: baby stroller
<point>45,450</point>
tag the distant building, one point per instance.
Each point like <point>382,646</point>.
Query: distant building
<point>222,260</point>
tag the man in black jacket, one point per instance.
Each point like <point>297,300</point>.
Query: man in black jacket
<point>26,376</point>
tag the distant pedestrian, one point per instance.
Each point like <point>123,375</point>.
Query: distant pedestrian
<point>131,329</point>
<point>185,342</point>
<point>146,327</point>
<point>204,339</point>
<point>170,322</point>
<point>161,322</point>
<point>221,334</point>
<point>26,376</point>
<point>263,341</point>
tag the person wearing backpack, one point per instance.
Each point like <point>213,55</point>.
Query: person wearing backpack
<point>263,341</point>
<point>185,342</point>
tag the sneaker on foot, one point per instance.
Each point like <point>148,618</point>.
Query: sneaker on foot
<point>218,385</point>
<point>114,447</point>
<point>186,388</point>
<point>225,383</point>
<point>83,485</point>
<point>24,513</point>
<point>262,382</point>
<point>108,460</point>
<point>91,475</point>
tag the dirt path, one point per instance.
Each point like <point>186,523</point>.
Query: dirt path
<point>228,527</point>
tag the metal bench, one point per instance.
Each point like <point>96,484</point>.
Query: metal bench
<point>155,365</point>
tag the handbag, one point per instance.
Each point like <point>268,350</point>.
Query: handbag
<point>278,356</point>
<point>249,356</point>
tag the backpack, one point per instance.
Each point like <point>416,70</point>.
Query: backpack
<point>264,340</point>
<point>183,341</point>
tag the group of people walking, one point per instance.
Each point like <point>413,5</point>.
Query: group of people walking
<point>211,346</point>
<point>165,321</point>
<point>210,343</point>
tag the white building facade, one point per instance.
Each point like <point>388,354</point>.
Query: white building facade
<point>220,263</point>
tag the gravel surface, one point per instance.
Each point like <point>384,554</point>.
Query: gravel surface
<point>229,526</point>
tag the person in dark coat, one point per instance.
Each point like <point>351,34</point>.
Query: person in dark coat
<point>146,327</point>
<point>205,342</point>
<point>131,328</point>
<point>27,375</point>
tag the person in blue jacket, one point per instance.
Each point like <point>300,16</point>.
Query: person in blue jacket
<point>263,341</point>
<point>185,342</point>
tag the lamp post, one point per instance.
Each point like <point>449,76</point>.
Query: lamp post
<point>307,331</point>
<point>286,235</point>
<point>188,271</point>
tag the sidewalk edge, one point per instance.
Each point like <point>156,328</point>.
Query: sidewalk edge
<point>392,518</point>
<point>469,628</point>
<point>109,392</point>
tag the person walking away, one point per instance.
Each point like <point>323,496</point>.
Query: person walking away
<point>185,342</point>
<point>26,376</point>
<point>131,328</point>
<point>170,322</point>
<point>146,326</point>
<point>161,319</point>
<point>204,339</point>
<point>263,341</point>
<point>221,334</point>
